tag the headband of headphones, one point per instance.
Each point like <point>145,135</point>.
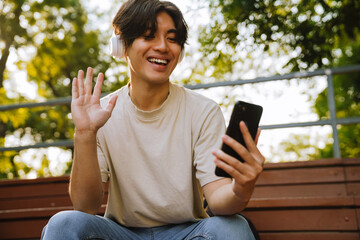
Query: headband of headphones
<point>117,48</point>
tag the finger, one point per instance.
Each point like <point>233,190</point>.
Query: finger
<point>74,89</point>
<point>257,136</point>
<point>236,146</point>
<point>249,141</point>
<point>229,160</point>
<point>251,145</point>
<point>98,86</point>
<point>247,156</point>
<point>88,81</point>
<point>112,103</point>
<point>236,168</point>
<point>228,169</point>
<point>80,82</point>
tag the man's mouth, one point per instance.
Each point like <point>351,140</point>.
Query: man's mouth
<point>163,62</point>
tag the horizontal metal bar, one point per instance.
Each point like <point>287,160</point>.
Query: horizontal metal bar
<point>58,101</point>
<point>349,120</point>
<point>292,125</point>
<point>339,121</point>
<point>49,103</point>
<point>339,70</point>
<point>59,143</point>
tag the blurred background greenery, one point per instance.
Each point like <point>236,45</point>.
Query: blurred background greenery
<point>43,43</point>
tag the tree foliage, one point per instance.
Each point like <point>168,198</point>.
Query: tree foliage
<point>309,29</point>
<point>313,34</point>
<point>58,42</point>
<point>347,100</point>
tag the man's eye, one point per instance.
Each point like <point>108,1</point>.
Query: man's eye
<point>172,39</point>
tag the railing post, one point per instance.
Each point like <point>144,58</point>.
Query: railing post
<point>332,109</point>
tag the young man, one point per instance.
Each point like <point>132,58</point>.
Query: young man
<point>155,143</point>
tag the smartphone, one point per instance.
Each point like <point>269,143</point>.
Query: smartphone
<point>250,114</point>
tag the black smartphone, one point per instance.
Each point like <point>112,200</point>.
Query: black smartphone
<point>250,114</point>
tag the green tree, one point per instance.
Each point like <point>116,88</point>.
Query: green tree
<point>313,30</point>
<point>347,100</point>
<point>59,41</point>
<point>313,34</point>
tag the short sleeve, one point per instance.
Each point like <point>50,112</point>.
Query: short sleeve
<point>104,168</point>
<point>209,135</point>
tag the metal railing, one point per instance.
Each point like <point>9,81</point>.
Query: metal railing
<point>333,121</point>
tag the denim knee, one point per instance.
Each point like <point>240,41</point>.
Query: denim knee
<point>67,219</point>
<point>66,224</point>
<point>228,227</point>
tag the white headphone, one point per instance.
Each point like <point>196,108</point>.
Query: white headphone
<point>117,48</point>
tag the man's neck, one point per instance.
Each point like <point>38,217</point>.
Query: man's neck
<point>146,97</point>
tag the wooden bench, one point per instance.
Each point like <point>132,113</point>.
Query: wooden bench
<point>27,205</point>
<point>308,200</point>
<point>301,200</point>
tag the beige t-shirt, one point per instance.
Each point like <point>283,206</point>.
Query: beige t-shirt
<point>157,161</point>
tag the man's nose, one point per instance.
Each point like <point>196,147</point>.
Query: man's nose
<point>161,45</point>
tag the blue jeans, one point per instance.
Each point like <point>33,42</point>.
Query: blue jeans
<point>78,225</point>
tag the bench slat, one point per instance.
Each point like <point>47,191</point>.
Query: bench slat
<point>22,228</point>
<point>53,201</point>
<point>311,190</point>
<point>304,220</point>
<point>37,212</point>
<point>36,190</point>
<point>301,176</point>
<point>304,202</point>
<point>310,236</point>
<point>352,173</point>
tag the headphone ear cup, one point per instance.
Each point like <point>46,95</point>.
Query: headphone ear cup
<point>182,55</point>
<point>117,49</point>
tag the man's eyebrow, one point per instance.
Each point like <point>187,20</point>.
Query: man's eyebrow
<point>173,30</point>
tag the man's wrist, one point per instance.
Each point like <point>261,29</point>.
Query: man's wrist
<point>85,134</point>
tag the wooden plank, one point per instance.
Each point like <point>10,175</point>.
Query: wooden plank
<point>22,229</point>
<point>353,189</point>
<point>309,190</point>
<point>306,164</point>
<point>37,212</point>
<point>310,236</point>
<point>16,182</point>
<point>37,190</point>
<point>352,173</point>
<point>38,202</point>
<point>313,163</point>
<point>10,189</point>
<point>51,201</point>
<point>351,161</point>
<point>302,176</point>
<point>32,213</point>
<point>304,220</point>
<point>301,202</point>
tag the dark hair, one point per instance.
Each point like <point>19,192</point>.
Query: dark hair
<point>135,17</point>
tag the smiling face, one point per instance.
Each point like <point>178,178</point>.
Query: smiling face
<point>153,57</point>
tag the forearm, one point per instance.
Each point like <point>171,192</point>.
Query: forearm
<point>85,188</point>
<point>223,200</point>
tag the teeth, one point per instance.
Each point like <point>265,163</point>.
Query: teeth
<point>156,60</point>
